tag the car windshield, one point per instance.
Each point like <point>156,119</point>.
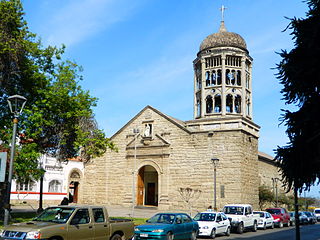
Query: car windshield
<point>162,218</point>
<point>205,217</point>
<point>273,211</point>
<point>55,214</point>
<point>233,210</point>
<point>260,213</point>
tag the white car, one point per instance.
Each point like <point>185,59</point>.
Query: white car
<point>265,221</point>
<point>317,213</point>
<point>212,223</point>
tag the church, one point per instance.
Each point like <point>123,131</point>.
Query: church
<point>211,160</point>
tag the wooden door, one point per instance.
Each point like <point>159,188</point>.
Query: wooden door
<point>140,188</point>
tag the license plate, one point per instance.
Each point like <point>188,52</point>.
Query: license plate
<point>143,235</point>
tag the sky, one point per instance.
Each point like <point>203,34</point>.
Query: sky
<point>139,53</point>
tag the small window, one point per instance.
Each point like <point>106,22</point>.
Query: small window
<point>213,78</point>
<point>219,77</point>
<point>217,103</point>
<point>148,130</point>
<point>98,215</point>
<point>229,103</point>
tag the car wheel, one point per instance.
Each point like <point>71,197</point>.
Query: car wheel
<point>193,235</point>
<point>240,228</point>
<point>169,236</point>
<point>213,233</point>
<point>116,237</point>
<point>280,224</point>
<point>228,231</point>
<point>264,226</point>
<point>254,227</point>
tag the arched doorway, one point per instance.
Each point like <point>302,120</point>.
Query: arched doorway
<point>74,186</point>
<point>147,186</point>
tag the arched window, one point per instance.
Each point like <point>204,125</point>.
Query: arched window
<point>248,108</point>
<point>239,78</point>
<point>233,77</point>
<point>228,76</point>
<point>209,104</point>
<point>237,104</point>
<point>55,186</point>
<point>213,78</point>
<point>217,103</point>
<point>207,78</point>
<point>229,103</point>
<point>219,77</point>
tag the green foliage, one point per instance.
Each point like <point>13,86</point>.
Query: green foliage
<point>298,72</point>
<point>265,196</point>
<point>58,118</point>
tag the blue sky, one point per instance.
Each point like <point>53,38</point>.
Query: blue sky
<point>138,53</point>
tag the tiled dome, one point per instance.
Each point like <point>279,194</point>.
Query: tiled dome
<point>223,39</point>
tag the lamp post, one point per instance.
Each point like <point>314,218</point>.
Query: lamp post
<point>136,132</point>
<point>40,208</point>
<point>215,163</point>
<point>16,104</point>
<point>275,183</point>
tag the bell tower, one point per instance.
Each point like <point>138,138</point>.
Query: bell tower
<point>222,76</point>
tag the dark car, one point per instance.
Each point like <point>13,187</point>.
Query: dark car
<point>280,215</point>
<point>168,226</point>
<point>311,217</point>
<point>303,219</point>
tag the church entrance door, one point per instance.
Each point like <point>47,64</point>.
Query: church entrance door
<point>147,186</point>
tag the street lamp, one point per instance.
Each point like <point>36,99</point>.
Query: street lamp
<point>275,184</point>
<point>16,104</point>
<point>215,163</point>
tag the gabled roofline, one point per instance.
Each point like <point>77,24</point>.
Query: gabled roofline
<point>176,122</point>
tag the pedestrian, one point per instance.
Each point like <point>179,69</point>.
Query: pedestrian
<point>65,201</point>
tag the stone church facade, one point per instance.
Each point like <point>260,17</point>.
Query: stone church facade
<point>167,163</point>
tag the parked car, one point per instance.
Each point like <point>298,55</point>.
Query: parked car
<point>317,213</point>
<point>280,215</point>
<point>292,218</point>
<point>241,217</point>
<point>311,218</point>
<point>212,223</point>
<point>265,220</point>
<point>303,219</point>
<point>168,226</point>
<point>71,223</point>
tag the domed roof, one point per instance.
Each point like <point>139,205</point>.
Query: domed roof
<point>223,38</point>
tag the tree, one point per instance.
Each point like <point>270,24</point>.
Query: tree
<point>265,196</point>
<point>298,72</point>
<point>58,118</point>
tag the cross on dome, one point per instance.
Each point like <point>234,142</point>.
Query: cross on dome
<point>222,9</point>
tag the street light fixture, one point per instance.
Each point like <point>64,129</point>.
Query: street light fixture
<point>16,104</point>
<point>215,162</point>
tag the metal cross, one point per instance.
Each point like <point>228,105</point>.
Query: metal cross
<point>222,12</point>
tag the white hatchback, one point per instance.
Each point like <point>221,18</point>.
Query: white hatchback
<point>212,223</point>
<point>265,220</point>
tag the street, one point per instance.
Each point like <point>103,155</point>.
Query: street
<point>308,232</point>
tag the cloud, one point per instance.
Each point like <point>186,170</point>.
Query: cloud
<point>76,21</point>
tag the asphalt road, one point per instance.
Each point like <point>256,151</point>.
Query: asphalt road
<point>308,232</point>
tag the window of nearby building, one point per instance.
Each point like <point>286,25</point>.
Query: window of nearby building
<point>27,186</point>
<point>209,104</point>
<point>55,186</point>
<point>229,103</point>
<point>217,103</point>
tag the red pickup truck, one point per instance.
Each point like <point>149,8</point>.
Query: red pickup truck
<point>280,216</point>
